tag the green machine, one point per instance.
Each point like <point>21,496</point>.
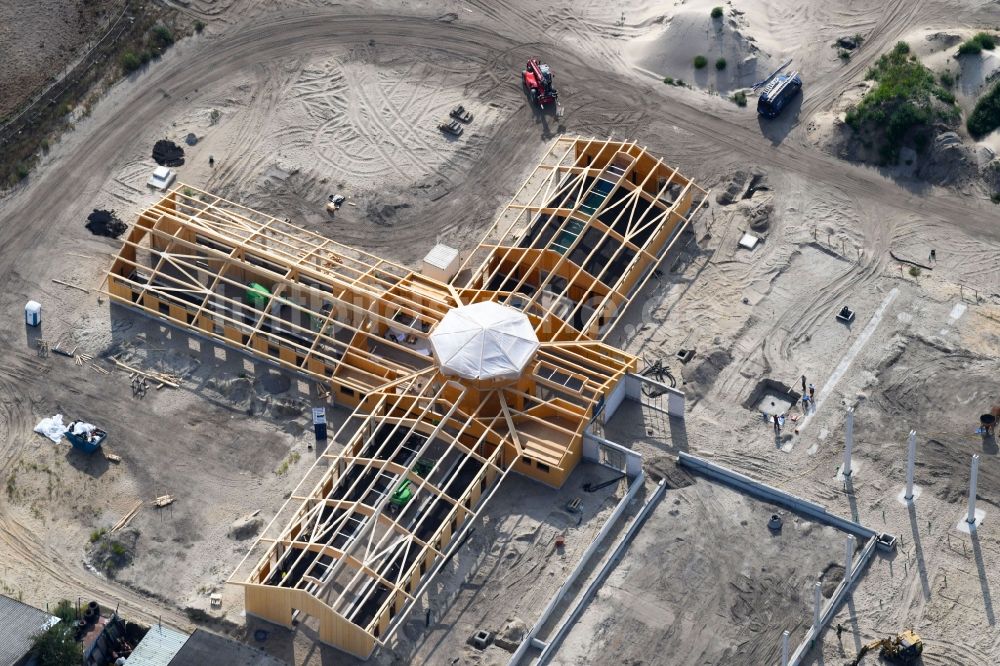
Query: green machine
<point>258,295</point>
<point>404,491</point>
<point>403,494</point>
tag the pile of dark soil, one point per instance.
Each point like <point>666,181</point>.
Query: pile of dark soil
<point>110,553</point>
<point>105,223</point>
<point>168,153</point>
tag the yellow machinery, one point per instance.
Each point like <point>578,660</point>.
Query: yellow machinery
<point>905,648</point>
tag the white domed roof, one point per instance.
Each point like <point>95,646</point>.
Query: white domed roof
<point>484,341</point>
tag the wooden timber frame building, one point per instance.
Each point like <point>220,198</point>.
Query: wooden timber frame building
<point>582,235</point>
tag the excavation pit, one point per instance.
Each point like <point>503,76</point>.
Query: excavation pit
<point>771,397</point>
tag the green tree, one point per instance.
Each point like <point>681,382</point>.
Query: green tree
<point>57,646</point>
<point>65,611</point>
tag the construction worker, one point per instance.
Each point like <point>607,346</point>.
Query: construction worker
<point>840,630</point>
<point>777,425</point>
<point>812,393</point>
<point>211,161</point>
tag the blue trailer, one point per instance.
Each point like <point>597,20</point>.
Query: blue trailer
<point>83,438</point>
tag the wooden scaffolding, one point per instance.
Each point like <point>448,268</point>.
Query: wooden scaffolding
<point>579,239</point>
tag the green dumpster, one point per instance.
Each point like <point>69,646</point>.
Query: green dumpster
<point>258,295</point>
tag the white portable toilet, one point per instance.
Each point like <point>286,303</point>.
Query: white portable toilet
<point>33,313</point>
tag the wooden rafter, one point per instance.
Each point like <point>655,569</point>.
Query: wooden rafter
<point>425,449</point>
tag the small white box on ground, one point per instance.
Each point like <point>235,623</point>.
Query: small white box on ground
<point>33,313</point>
<point>749,241</point>
<point>441,263</point>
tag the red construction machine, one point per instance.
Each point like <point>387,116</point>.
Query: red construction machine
<point>537,78</point>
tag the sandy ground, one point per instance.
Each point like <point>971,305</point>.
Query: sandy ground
<point>308,105</point>
<point>41,38</point>
<point>741,584</point>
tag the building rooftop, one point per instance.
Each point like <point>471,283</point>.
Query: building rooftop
<point>21,623</point>
<point>204,647</point>
<point>441,256</point>
<point>158,647</point>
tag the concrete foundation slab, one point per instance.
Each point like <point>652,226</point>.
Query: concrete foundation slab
<point>966,527</point>
<point>901,497</point>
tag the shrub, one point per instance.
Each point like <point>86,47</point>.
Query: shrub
<point>716,12</point>
<point>145,57</point>
<point>986,41</point>
<point>130,62</point>
<point>946,79</point>
<point>199,25</point>
<point>679,82</point>
<point>96,535</point>
<point>22,171</point>
<point>995,197</point>
<point>44,145</point>
<point>720,64</point>
<point>969,47</point>
<point>985,116</point>
<point>740,98</point>
<point>162,36</point>
<point>844,55</point>
<point>65,611</point>
<point>901,101</point>
<point>669,80</point>
<point>700,61</point>
<point>914,271</point>
<point>944,95</point>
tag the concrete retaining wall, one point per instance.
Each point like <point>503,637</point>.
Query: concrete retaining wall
<point>592,444</point>
<point>529,638</point>
<point>832,606</point>
<point>553,644</point>
<point>633,391</point>
<point>772,494</point>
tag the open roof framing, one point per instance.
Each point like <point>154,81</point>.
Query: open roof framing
<point>579,239</point>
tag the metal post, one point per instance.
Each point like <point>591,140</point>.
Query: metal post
<point>911,458</point>
<point>973,478</point>
<point>784,648</point>
<point>817,603</point>
<point>849,558</point>
<point>848,441</point>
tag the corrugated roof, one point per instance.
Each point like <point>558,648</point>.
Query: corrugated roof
<point>157,647</point>
<point>20,623</point>
<point>441,256</point>
<point>205,647</point>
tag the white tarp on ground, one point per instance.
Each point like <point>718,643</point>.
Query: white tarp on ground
<point>52,427</point>
<point>484,341</point>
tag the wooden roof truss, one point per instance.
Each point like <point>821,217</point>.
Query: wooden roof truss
<point>574,245</point>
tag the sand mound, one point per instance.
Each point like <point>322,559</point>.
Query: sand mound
<point>948,161</point>
<point>671,50</point>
